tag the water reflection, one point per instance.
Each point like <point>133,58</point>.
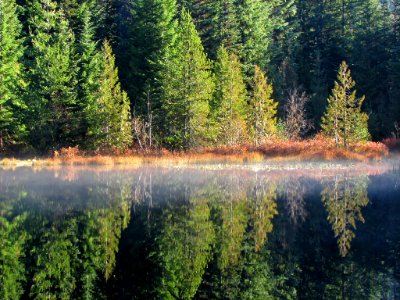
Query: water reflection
<point>343,199</point>
<point>174,234</point>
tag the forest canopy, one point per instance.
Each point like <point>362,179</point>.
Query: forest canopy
<point>114,74</point>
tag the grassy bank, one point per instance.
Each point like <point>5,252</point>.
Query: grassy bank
<point>308,150</point>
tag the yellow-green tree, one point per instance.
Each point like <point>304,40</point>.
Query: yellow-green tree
<point>187,87</point>
<point>343,119</point>
<point>111,128</point>
<point>263,108</point>
<point>229,105</point>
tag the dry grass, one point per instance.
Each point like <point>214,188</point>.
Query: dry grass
<point>317,149</point>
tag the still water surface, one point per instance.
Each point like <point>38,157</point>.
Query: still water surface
<point>200,234</point>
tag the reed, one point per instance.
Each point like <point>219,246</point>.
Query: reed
<point>316,149</point>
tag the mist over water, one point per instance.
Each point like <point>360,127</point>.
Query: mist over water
<point>276,231</point>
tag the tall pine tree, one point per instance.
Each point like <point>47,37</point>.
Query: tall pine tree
<point>51,96</point>
<point>187,88</point>
<point>89,68</point>
<point>151,32</point>
<point>11,50</point>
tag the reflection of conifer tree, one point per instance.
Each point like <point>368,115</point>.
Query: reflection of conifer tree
<point>12,248</point>
<point>183,248</point>
<point>343,199</point>
<point>113,221</point>
<point>56,258</point>
<point>91,262</point>
<point>231,232</point>
<point>263,209</point>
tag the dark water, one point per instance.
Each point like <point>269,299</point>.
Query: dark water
<point>197,234</point>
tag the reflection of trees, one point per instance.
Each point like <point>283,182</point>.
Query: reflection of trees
<point>67,254</point>
<point>263,209</point>
<point>56,257</point>
<point>192,236</point>
<point>12,248</point>
<point>343,199</point>
<point>242,215</point>
<point>294,191</point>
<point>183,250</point>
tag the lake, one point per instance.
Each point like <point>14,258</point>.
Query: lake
<point>278,231</point>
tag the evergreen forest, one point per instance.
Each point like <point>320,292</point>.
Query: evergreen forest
<point>182,74</point>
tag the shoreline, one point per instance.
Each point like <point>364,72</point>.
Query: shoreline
<point>273,152</point>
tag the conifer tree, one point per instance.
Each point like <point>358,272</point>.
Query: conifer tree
<point>187,88</point>
<point>111,128</point>
<point>256,28</point>
<point>51,96</point>
<point>263,108</point>
<point>89,67</point>
<point>343,119</point>
<point>151,31</point>
<point>11,50</point>
<point>230,107</point>
<point>226,26</point>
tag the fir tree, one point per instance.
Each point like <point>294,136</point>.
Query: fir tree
<point>343,118</point>
<point>230,107</point>
<point>263,108</point>
<point>151,32</point>
<point>369,56</point>
<point>226,24</point>
<point>11,50</point>
<point>89,68</point>
<point>51,96</point>
<point>256,26</point>
<point>111,128</point>
<point>187,87</point>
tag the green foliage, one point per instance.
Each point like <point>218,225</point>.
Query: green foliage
<point>225,30</point>
<point>12,251</point>
<point>12,128</point>
<point>89,68</point>
<point>51,97</point>
<point>263,109</point>
<point>111,128</point>
<point>256,25</point>
<point>152,30</point>
<point>187,88</point>
<point>298,43</point>
<point>343,119</point>
<point>229,103</point>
